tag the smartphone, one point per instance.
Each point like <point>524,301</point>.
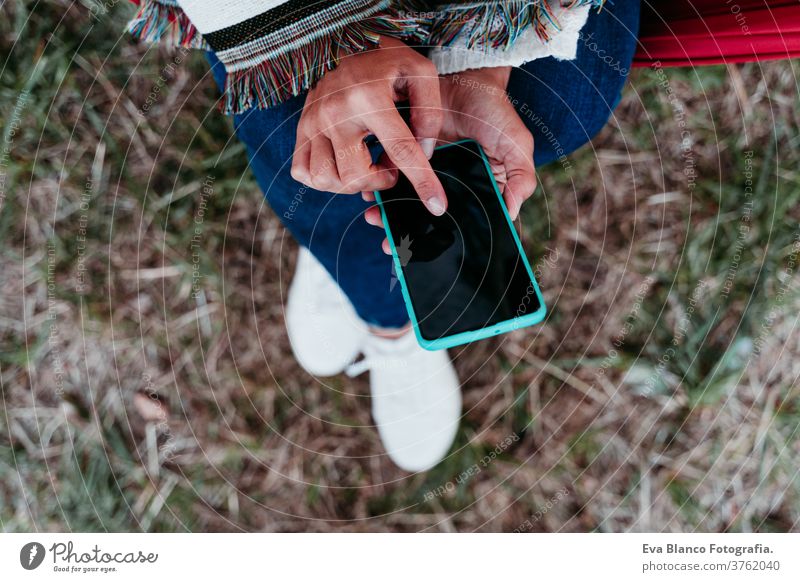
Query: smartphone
<point>464,275</point>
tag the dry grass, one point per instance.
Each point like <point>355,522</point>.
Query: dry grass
<point>660,395</point>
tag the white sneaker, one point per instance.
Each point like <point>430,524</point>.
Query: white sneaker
<point>325,332</point>
<point>416,399</point>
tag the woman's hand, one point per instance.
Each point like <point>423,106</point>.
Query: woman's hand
<point>358,99</point>
<point>477,107</point>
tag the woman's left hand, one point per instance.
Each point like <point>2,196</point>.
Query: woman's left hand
<point>476,106</point>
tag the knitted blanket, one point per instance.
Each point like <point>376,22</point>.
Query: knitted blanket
<point>275,49</point>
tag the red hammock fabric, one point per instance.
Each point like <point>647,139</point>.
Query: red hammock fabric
<point>706,32</point>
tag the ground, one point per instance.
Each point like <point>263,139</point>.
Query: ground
<point>147,382</point>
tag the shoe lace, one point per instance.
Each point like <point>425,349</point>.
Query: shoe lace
<point>378,350</point>
<point>358,368</point>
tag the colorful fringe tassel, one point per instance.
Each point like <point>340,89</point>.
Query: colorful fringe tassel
<point>495,25</point>
<point>289,74</point>
<point>164,21</point>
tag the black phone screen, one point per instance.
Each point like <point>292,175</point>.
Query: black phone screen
<point>463,270</point>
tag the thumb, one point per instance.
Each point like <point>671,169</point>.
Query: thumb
<point>426,111</point>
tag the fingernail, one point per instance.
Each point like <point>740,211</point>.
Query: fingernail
<point>435,205</point>
<point>513,208</point>
<point>428,146</point>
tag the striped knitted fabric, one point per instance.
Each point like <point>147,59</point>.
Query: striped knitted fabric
<point>275,49</point>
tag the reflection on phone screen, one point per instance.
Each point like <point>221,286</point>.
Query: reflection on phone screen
<point>463,270</point>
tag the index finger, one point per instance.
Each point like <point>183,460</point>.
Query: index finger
<point>404,151</point>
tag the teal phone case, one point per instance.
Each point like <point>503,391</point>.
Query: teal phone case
<point>466,337</point>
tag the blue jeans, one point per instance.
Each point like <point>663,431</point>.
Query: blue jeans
<point>563,103</point>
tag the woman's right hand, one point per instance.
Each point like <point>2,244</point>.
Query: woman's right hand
<point>358,99</point>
